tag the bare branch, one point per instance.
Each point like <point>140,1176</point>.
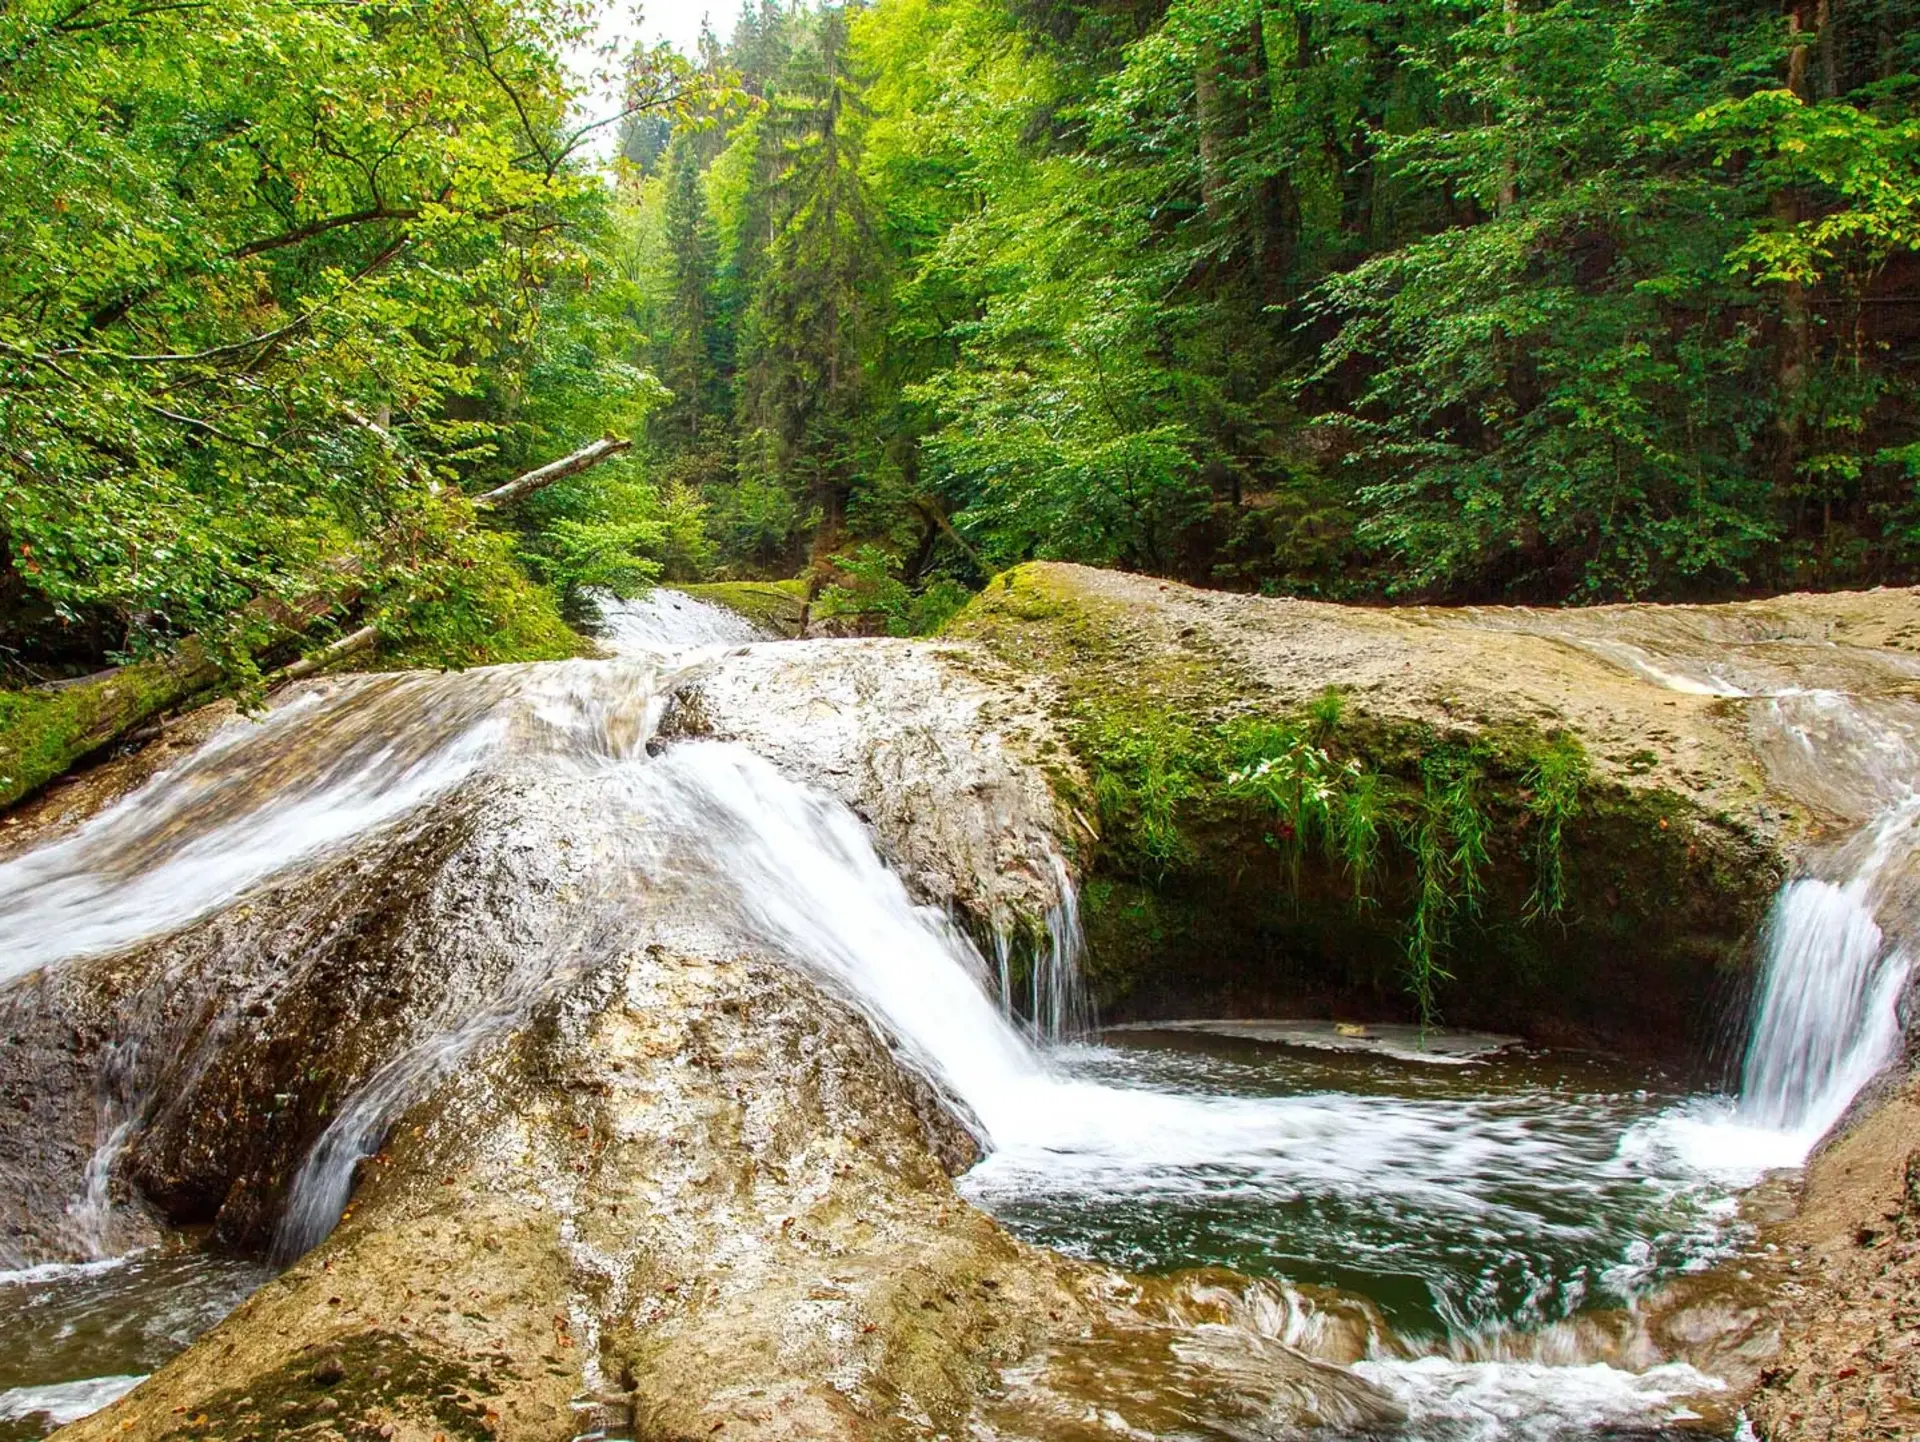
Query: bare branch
<point>583,459</point>
<point>350,644</point>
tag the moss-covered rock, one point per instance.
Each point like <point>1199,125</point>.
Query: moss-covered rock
<point>1588,848</point>
<point>43,733</point>
<point>497,615</point>
<point>778,606</point>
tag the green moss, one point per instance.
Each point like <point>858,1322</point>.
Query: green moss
<point>493,615</point>
<point>1310,792</point>
<point>325,1391</point>
<point>1256,855</point>
<point>778,606</point>
<point>44,733</point>
<point>38,732</point>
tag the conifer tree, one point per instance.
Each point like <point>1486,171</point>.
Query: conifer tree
<point>812,299</point>
<point>691,246</point>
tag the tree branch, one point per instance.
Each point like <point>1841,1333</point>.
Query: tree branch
<point>321,227</point>
<point>348,645</point>
<point>583,459</point>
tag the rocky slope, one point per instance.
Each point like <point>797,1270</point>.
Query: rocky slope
<point>618,1158</point>
<point>1849,1284</point>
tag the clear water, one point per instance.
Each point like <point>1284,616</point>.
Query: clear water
<point>78,1336</point>
<point>1459,1199</point>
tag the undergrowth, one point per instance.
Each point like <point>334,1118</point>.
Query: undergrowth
<point>1433,809</point>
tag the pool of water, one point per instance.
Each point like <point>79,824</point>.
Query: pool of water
<point>1467,1203</point>
<point>78,1336</point>
<point>1514,1193</point>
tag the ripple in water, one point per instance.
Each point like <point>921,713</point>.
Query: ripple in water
<point>81,1335</point>
<point>1458,1199</point>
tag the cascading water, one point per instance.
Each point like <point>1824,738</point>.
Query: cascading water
<point>1827,1016</point>
<point>1054,999</point>
<point>664,621</point>
<point>1826,1013</point>
<point>1494,1212</point>
<point>1831,972</point>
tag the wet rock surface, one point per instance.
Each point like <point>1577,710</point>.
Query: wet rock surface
<point>636,1172</point>
<point>1849,1281</point>
<point>1440,1046</point>
<point>943,753</point>
<point>614,1163</point>
<point>1721,741</point>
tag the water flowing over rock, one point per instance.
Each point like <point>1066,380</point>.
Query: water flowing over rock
<point>565,1032</point>
<point>593,1037</point>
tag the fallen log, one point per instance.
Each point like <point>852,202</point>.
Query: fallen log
<point>350,644</point>
<point>46,731</point>
<point>520,487</point>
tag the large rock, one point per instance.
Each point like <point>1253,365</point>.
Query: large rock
<point>1719,742</point>
<point>624,1148</point>
<point>641,1159</point>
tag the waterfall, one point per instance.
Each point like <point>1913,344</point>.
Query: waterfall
<point>1827,1013</point>
<point>1056,1005</point>
<point>1827,1018</point>
<point>663,621</point>
<point>90,1215</point>
<point>1827,1008</point>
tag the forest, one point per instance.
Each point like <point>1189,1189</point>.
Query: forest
<point>1444,300</point>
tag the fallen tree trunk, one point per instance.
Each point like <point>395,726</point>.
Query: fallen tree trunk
<point>45,732</point>
<point>350,644</point>
<point>520,487</point>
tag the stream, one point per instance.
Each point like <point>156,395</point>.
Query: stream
<point>1476,1213</point>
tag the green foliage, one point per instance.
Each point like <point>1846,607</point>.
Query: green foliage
<point>282,280</point>
<point>1145,770</point>
<point>1302,784</point>
<point>1447,834</point>
<point>485,614</point>
<point>1357,826</point>
<point>869,587</point>
<point>1554,780</point>
<point>1431,818</point>
<point>1463,298</point>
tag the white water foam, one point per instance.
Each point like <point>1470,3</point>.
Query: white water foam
<point>665,621</point>
<point>121,878</point>
<point>1449,1401</point>
<point>1826,1018</point>
<point>44,1272</point>
<point>64,1402</point>
<point>263,797</point>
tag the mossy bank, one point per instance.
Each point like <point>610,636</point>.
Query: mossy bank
<point>1305,808</point>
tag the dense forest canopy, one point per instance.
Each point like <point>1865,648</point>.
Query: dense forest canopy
<point>1450,299</point>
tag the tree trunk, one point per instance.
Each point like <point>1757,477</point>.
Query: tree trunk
<point>46,731</point>
<point>1510,163</point>
<point>584,459</point>
<point>1277,203</point>
<point>1794,353</point>
<point>365,639</point>
<point>1208,125</point>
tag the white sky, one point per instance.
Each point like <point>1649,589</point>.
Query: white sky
<point>617,29</point>
<point>678,21</point>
